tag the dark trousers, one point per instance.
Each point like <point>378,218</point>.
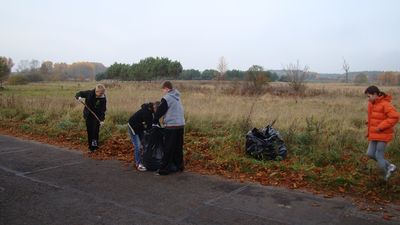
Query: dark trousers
<point>173,151</point>
<point>92,128</point>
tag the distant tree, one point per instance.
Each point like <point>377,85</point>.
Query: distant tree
<point>389,78</point>
<point>209,74</point>
<point>174,69</point>
<point>222,68</point>
<point>296,77</point>
<point>272,76</point>
<point>361,78</point>
<point>60,71</point>
<point>147,69</point>
<point>235,75</point>
<point>101,76</point>
<point>5,69</point>
<point>190,75</point>
<point>81,71</point>
<point>346,68</point>
<point>34,65</point>
<point>46,68</point>
<point>256,78</point>
<point>23,66</point>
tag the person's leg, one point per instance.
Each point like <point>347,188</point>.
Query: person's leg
<point>89,133</point>
<point>91,130</point>
<point>169,146</point>
<point>136,146</point>
<point>372,149</point>
<point>96,130</point>
<point>380,156</point>
<point>178,156</point>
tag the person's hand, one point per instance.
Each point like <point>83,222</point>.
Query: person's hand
<point>366,134</point>
<point>101,123</point>
<point>81,99</point>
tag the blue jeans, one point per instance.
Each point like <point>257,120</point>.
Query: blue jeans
<point>135,138</point>
<point>376,151</point>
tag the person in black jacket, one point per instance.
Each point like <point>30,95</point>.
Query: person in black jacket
<point>94,113</point>
<point>137,124</point>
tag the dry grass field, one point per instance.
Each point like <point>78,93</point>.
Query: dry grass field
<point>323,130</point>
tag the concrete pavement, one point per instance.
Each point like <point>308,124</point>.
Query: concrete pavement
<point>43,184</point>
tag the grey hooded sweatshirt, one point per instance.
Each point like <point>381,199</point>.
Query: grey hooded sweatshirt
<point>172,110</point>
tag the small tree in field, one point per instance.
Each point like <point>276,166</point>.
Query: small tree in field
<point>222,68</point>
<point>256,78</point>
<point>296,77</point>
<point>346,68</point>
<point>5,69</point>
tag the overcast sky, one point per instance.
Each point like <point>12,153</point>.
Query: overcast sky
<point>269,33</point>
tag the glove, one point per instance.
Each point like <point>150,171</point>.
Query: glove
<point>81,99</point>
<point>101,123</point>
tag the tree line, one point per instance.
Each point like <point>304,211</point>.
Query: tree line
<point>153,68</point>
<point>146,69</point>
<point>33,71</point>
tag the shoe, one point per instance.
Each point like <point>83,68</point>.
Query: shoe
<point>141,168</point>
<point>390,171</point>
<point>162,172</point>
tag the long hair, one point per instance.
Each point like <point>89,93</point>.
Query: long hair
<point>374,90</point>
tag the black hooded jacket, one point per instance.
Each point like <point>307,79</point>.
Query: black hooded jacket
<point>97,105</point>
<point>142,119</point>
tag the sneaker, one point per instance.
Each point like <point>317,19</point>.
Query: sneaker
<point>141,168</point>
<point>390,171</point>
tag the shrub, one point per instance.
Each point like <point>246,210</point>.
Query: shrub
<point>17,80</point>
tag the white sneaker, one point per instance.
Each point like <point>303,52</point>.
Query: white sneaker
<point>141,168</point>
<point>390,171</point>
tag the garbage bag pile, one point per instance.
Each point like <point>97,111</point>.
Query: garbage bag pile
<point>265,144</point>
<point>153,148</point>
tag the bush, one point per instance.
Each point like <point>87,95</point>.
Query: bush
<point>17,80</point>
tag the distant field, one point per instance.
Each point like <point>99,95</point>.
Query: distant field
<point>324,129</point>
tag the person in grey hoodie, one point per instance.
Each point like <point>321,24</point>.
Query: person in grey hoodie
<point>172,110</point>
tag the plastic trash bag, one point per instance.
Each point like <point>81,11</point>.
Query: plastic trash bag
<point>265,144</point>
<point>153,149</point>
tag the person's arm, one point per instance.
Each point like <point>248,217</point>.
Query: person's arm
<point>161,110</point>
<point>82,94</point>
<point>392,117</point>
<point>103,110</point>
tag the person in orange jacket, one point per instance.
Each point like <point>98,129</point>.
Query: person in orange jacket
<point>382,118</point>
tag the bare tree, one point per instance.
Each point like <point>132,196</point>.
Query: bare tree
<point>23,66</point>
<point>222,68</point>
<point>346,68</point>
<point>296,77</point>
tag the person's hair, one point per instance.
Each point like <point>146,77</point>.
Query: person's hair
<point>374,90</point>
<point>167,84</point>
<point>100,87</point>
<point>151,105</point>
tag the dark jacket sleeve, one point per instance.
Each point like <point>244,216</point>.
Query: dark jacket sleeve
<point>161,110</point>
<point>82,94</point>
<point>103,109</point>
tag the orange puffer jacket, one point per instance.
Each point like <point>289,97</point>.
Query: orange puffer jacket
<point>382,115</point>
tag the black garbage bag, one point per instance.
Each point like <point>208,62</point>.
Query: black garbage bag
<point>265,144</point>
<point>153,151</point>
